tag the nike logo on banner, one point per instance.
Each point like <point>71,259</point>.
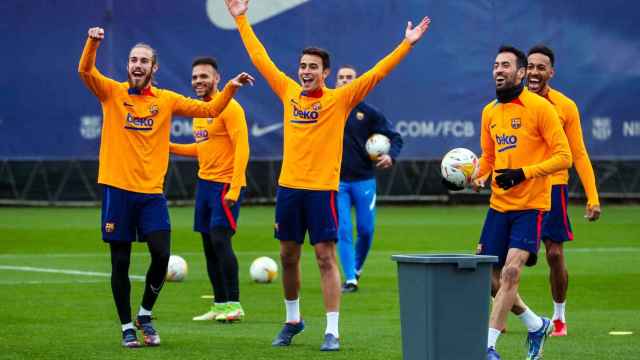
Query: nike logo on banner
<point>258,131</point>
<point>258,11</point>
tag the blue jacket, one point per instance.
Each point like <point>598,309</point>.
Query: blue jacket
<point>363,122</point>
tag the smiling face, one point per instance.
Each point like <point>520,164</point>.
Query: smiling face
<point>311,73</point>
<point>141,67</point>
<point>506,72</point>
<point>204,80</point>
<point>539,72</point>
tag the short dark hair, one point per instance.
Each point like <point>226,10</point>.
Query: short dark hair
<point>205,60</point>
<point>521,59</point>
<point>544,50</point>
<point>320,52</point>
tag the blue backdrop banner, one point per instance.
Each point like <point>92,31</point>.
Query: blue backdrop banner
<point>433,98</point>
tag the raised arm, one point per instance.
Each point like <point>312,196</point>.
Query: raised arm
<point>97,83</point>
<point>188,150</point>
<point>360,87</point>
<point>277,80</point>
<point>185,106</point>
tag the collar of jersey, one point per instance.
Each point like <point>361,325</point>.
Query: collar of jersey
<point>144,92</point>
<point>317,93</point>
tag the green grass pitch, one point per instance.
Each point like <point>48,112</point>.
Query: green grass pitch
<point>66,316</point>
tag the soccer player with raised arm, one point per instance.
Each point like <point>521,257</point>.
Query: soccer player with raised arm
<point>556,227</point>
<point>314,119</point>
<point>358,181</point>
<point>222,148</point>
<point>522,143</point>
<point>134,155</point>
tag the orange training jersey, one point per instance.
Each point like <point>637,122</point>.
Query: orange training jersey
<point>222,148</point>
<point>314,125</point>
<point>134,144</point>
<point>522,134</point>
<point>570,120</point>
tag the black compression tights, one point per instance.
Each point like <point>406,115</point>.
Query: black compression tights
<point>222,264</point>
<point>159,247</point>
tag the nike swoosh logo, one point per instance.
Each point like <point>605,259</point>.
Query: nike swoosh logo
<point>258,11</point>
<point>258,131</point>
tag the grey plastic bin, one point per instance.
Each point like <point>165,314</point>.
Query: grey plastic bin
<point>444,305</point>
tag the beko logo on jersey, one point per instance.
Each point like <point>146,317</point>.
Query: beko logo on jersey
<point>511,141</point>
<point>201,135</point>
<point>305,116</point>
<point>137,123</point>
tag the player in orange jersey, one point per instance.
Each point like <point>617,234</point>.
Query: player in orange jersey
<point>556,227</point>
<point>222,148</point>
<point>314,120</point>
<point>522,143</point>
<point>134,155</point>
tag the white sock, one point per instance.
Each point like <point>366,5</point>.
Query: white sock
<point>558,310</point>
<point>293,310</point>
<point>144,312</point>
<point>532,321</point>
<point>354,282</point>
<point>494,334</point>
<point>332,323</point>
<point>127,326</point>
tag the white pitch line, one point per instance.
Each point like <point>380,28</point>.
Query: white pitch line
<point>61,271</point>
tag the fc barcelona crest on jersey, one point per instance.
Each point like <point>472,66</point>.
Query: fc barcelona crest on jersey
<point>154,109</point>
<point>209,121</point>
<point>516,123</point>
<point>316,106</point>
<point>360,115</point>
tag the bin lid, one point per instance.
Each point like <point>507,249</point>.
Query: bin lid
<point>464,261</point>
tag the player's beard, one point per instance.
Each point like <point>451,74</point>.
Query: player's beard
<point>139,84</point>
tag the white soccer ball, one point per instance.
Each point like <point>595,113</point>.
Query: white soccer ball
<point>177,269</point>
<point>459,166</point>
<point>377,145</point>
<point>263,270</point>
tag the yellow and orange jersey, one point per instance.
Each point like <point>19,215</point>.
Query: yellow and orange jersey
<point>314,124</point>
<point>570,120</point>
<point>134,145</point>
<point>222,148</point>
<point>524,133</point>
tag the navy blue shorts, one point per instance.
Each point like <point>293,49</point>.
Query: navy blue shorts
<point>127,214</point>
<point>556,225</point>
<point>299,211</point>
<point>513,229</point>
<point>211,210</point>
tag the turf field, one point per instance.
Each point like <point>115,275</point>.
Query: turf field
<point>68,316</point>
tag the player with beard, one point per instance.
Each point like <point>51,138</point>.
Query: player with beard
<point>314,120</point>
<point>522,143</point>
<point>556,227</point>
<point>222,148</point>
<point>134,155</point>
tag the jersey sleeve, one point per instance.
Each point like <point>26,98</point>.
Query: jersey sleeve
<point>581,160</point>
<point>358,89</point>
<point>190,150</point>
<point>382,126</point>
<point>488,158</point>
<point>184,106</point>
<point>100,85</point>
<point>554,136</point>
<point>277,80</point>
<point>236,125</point>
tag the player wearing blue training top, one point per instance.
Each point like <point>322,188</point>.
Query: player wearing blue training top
<point>358,182</point>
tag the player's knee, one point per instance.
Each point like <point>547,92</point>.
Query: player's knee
<point>510,276</point>
<point>289,260</point>
<point>326,262</point>
<point>554,255</point>
<point>365,231</point>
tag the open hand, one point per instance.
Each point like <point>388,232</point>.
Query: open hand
<point>413,34</point>
<point>96,33</point>
<point>237,7</point>
<point>242,79</point>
